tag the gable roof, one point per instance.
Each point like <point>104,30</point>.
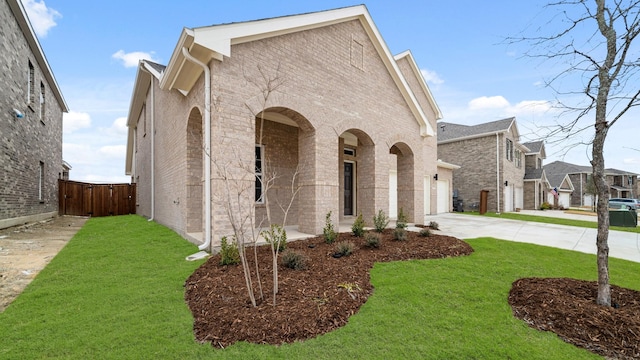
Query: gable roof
<point>561,167</point>
<point>449,132</point>
<point>214,42</point>
<point>535,147</point>
<point>423,84</point>
<point>25,26</point>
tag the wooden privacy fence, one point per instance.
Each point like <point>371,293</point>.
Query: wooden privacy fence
<point>84,199</point>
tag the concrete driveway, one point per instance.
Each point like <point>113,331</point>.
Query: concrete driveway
<point>622,245</point>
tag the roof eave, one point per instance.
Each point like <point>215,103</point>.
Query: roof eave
<point>25,25</point>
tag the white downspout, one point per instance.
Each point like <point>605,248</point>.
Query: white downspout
<point>153,147</point>
<point>207,148</point>
<point>497,173</point>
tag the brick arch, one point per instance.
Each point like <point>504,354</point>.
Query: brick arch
<point>405,167</point>
<point>195,174</point>
<point>289,143</point>
<point>358,195</point>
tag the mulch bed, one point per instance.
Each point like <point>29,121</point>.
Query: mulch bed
<point>322,297</point>
<point>310,302</point>
<point>568,308</point>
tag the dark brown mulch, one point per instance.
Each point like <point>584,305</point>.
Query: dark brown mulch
<point>568,308</point>
<point>310,302</point>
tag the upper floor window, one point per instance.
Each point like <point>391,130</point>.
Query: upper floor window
<point>539,164</point>
<point>518,158</point>
<point>41,182</point>
<point>42,100</point>
<point>509,150</point>
<point>31,97</point>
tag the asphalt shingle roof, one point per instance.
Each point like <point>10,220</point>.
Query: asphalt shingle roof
<point>534,146</point>
<point>451,131</point>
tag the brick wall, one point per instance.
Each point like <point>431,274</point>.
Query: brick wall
<point>28,141</point>
<point>477,158</point>
<point>325,96</point>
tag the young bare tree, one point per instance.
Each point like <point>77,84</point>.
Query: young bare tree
<point>595,42</point>
<point>268,84</point>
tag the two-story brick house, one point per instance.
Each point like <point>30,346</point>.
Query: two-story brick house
<point>31,123</point>
<point>317,99</point>
<point>622,184</point>
<point>536,184</point>
<point>491,158</point>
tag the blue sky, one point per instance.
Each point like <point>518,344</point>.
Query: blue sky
<point>474,75</point>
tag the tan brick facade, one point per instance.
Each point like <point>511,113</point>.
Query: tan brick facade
<point>326,101</point>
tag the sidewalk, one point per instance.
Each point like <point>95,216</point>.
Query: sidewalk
<point>622,245</point>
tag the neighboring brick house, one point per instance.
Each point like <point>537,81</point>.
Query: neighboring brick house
<point>31,123</point>
<point>536,184</point>
<point>491,158</point>
<point>622,184</point>
<point>344,115</point>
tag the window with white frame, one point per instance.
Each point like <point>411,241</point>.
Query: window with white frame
<point>31,84</point>
<point>42,100</point>
<point>509,150</point>
<point>259,193</point>
<point>518,158</point>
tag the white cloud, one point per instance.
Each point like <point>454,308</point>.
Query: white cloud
<point>431,77</point>
<point>532,106</point>
<point>41,17</point>
<point>119,127</point>
<point>113,151</point>
<point>131,59</point>
<point>73,121</point>
<point>488,102</point>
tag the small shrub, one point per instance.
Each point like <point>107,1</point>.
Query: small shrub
<point>276,236</point>
<point>372,240</point>
<point>545,206</point>
<point>400,234</point>
<point>294,260</point>
<point>228,252</point>
<point>434,225</point>
<point>344,248</point>
<point>425,232</point>
<point>329,232</point>
<point>358,226</point>
<point>401,223</point>
<point>380,221</point>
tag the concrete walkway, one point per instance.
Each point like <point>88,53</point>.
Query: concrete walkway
<point>622,245</point>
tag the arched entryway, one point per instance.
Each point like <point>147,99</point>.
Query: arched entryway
<point>285,168</point>
<point>403,196</point>
<point>356,174</point>
<point>195,174</point>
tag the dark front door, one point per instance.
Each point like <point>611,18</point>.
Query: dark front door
<point>348,188</point>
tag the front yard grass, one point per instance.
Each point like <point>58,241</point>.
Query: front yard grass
<point>116,292</point>
<point>552,220</point>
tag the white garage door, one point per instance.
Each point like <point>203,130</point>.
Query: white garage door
<point>393,194</point>
<point>443,196</point>
<point>508,199</point>
<point>588,200</point>
<point>519,198</point>
<point>564,200</point>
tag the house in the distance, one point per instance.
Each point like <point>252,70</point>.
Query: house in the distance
<point>30,123</point>
<point>491,159</point>
<point>536,184</point>
<point>316,99</point>
<point>622,184</point>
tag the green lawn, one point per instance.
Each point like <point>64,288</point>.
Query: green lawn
<point>552,220</point>
<point>116,292</point>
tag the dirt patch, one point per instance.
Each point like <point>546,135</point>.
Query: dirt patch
<point>25,250</point>
<point>568,308</point>
<point>310,302</point>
